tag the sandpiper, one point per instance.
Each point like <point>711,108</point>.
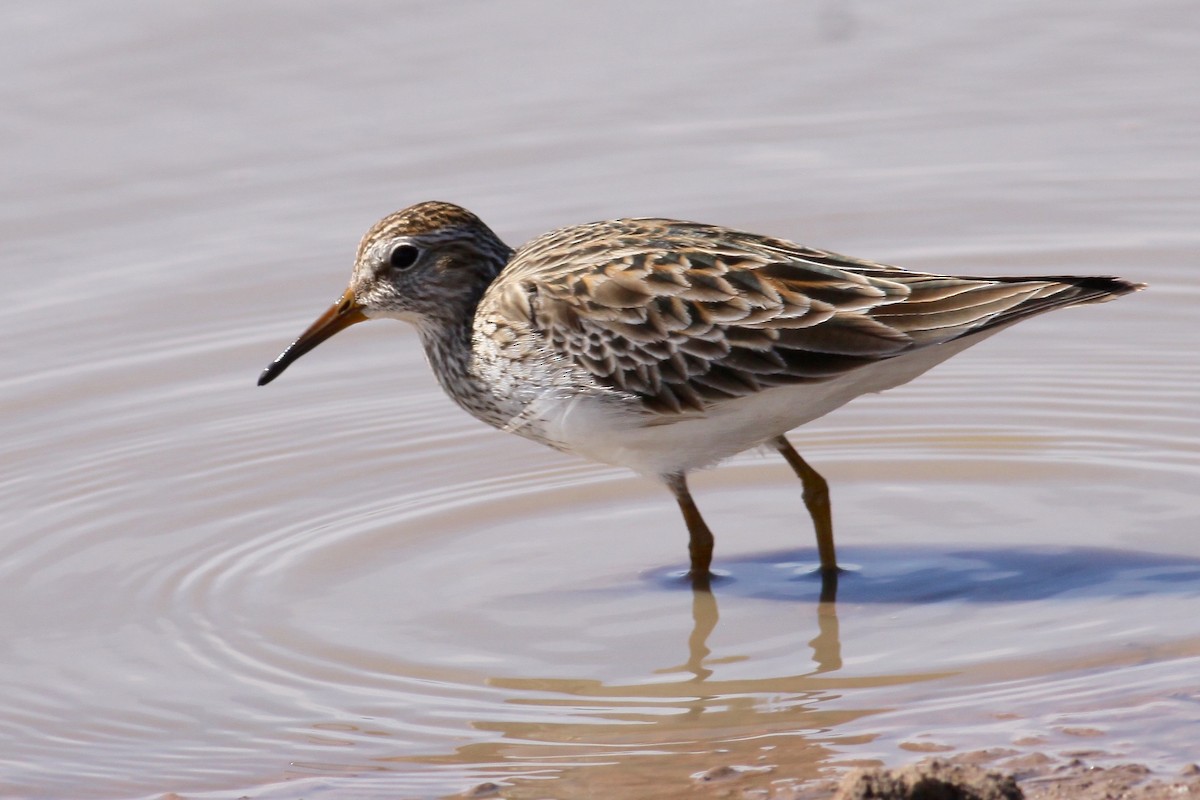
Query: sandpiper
<point>666,346</point>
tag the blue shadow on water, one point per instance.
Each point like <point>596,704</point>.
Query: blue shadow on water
<point>918,574</point>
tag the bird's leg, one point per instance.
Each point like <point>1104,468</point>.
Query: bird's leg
<point>700,542</point>
<point>816,498</point>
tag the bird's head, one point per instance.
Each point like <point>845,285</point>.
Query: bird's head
<point>428,264</point>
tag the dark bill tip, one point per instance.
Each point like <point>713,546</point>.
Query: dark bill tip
<point>341,315</point>
<point>273,371</point>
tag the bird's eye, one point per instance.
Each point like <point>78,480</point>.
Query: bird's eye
<point>403,256</point>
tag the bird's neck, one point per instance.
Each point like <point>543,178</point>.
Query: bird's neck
<point>447,334</point>
<point>447,341</point>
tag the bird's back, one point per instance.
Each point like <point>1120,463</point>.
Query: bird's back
<point>684,316</point>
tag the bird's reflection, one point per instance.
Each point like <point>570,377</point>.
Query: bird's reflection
<point>756,704</point>
<point>826,645</point>
<point>705,616</point>
<point>741,718</point>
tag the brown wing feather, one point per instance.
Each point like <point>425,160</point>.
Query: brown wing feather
<point>685,315</point>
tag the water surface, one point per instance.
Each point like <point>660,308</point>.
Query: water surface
<point>342,586</point>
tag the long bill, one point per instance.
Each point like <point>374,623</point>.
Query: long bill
<point>341,315</point>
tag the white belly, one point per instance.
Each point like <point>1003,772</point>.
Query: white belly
<point>599,430</point>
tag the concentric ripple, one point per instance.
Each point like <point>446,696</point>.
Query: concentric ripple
<point>344,576</point>
<point>340,586</point>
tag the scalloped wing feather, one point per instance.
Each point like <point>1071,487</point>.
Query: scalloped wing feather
<point>683,315</point>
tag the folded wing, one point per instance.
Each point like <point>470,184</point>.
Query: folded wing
<point>684,315</point>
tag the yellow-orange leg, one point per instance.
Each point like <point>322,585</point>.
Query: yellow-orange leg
<point>816,499</point>
<point>700,538</point>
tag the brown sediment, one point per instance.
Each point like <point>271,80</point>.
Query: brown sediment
<point>1003,775</point>
<point>934,779</point>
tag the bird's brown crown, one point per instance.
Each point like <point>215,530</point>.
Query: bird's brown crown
<point>419,219</point>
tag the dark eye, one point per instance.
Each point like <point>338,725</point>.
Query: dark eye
<point>403,256</point>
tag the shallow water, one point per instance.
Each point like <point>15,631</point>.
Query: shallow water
<point>342,586</point>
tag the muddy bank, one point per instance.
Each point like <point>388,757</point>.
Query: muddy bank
<point>994,774</point>
<point>1000,775</point>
